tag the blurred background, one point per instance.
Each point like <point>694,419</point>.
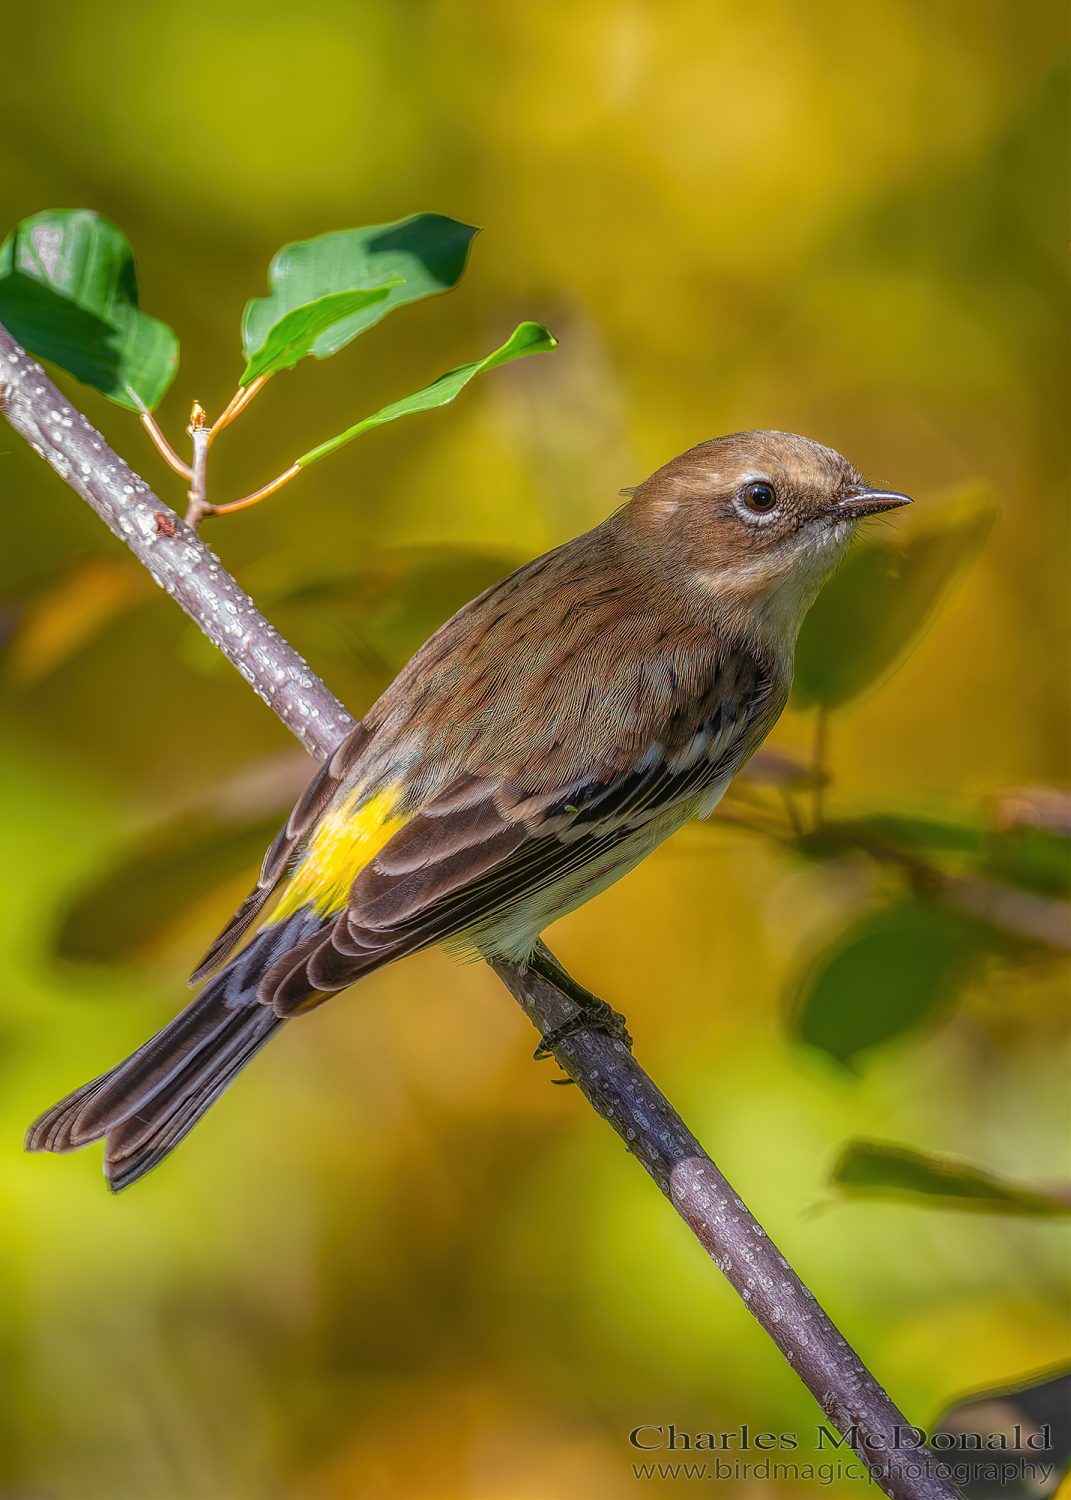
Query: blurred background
<point>394,1261</point>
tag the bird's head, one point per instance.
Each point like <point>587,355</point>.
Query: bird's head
<point>755,522</point>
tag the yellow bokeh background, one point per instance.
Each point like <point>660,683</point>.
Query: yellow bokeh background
<point>394,1261</point>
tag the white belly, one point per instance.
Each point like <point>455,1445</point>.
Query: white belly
<point>515,932</point>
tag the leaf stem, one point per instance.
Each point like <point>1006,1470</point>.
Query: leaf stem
<point>238,403</point>
<point>261,494</point>
<point>163,447</point>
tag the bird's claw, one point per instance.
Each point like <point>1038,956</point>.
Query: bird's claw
<point>592,1014</point>
<point>595,1015</point>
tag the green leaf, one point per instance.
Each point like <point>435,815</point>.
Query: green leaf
<point>69,294</point>
<point>909,833</point>
<point>426,253</point>
<point>1031,858</point>
<point>876,608</point>
<point>384,613</point>
<point>878,1169</point>
<point>528,338</point>
<point>885,975</point>
<point>133,905</point>
<point>1003,1416</point>
<point>884,831</point>
<point>296,333</point>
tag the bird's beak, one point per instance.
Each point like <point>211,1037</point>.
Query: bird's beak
<point>868,503</point>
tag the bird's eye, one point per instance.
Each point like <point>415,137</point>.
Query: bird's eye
<point>760,497</point>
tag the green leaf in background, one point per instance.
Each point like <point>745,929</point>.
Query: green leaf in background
<point>426,252</point>
<point>913,833</point>
<point>894,831</point>
<point>878,1169</point>
<point>386,611</point>
<point>133,905</point>
<point>295,334</point>
<point>877,605</point>
<point>528,338</point>
<point>1036,1407</point>
<point>886,974</point>
<point>1032,858</point>
<point>365,621</point>
<point>69,293</point>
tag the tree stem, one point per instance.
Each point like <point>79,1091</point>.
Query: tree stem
<point>607,1073</point>
<point>201,435</point>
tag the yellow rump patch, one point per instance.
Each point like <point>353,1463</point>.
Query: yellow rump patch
<point>342,843</point>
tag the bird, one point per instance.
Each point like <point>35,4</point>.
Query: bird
<point>533,751</point>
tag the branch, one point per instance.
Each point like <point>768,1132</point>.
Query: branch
<point>608,1075</point>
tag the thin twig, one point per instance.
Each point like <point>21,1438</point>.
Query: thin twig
<point>608,1074</point>
<point>818,764</point>
<point>200,434</point>
<point>773,827</point>
<point>792,812</point>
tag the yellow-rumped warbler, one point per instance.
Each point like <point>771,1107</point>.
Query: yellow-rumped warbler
<point>540,744</point>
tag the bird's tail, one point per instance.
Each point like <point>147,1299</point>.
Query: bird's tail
<point>147,1104</point>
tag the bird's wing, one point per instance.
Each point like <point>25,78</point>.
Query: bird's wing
<point>481,847</point>
<point>314,801</point>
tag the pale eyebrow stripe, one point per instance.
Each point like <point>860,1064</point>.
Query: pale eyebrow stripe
<point>749,476</point>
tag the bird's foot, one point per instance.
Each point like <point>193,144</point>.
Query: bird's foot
<point>593,1014</point>
<point>597,1017</point>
